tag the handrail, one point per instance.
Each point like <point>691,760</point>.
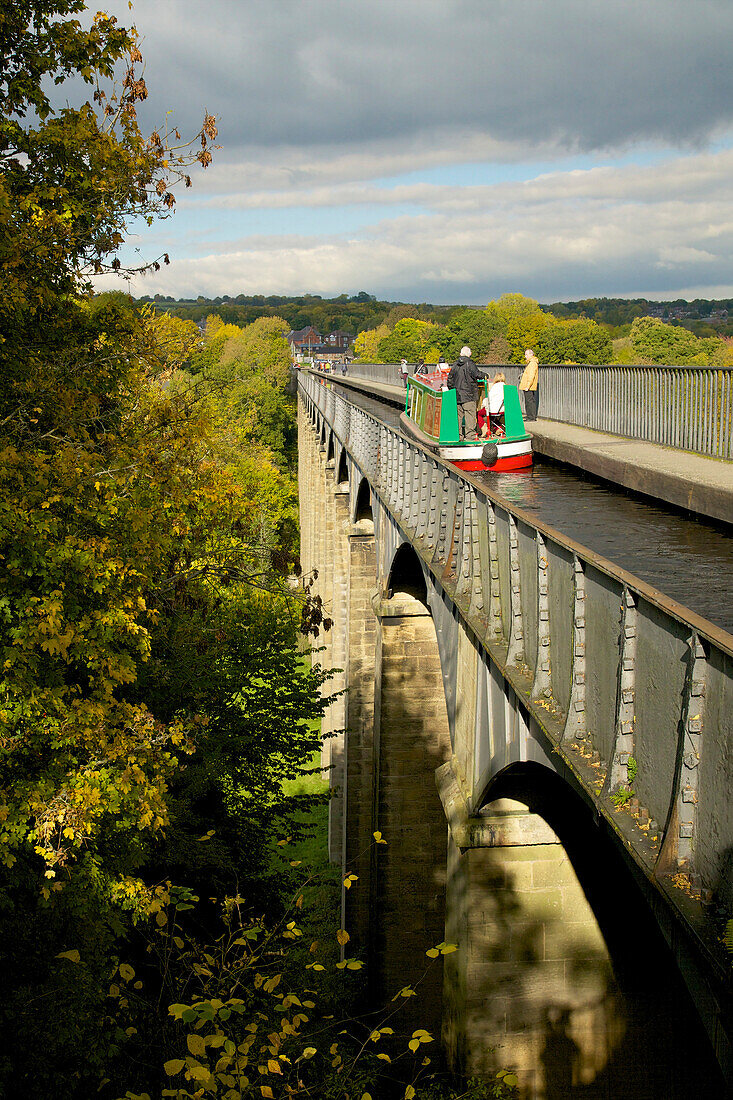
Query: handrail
<point>685,407</point>
<point>715,634</point>
<point>570,630</point>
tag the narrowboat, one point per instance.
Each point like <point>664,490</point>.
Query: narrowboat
<point>431,415</point>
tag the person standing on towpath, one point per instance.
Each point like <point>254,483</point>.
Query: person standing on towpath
<point>528,383</point>
<point>463,378</point>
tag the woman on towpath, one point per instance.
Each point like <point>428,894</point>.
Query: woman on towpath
<point>463,378</point>
<point>528,383</point>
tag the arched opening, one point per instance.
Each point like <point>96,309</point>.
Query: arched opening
<point>363,506</point>
<point>362,513</point>
<point>342,479</point>
<point>406,575</point>
<point>330,451</point>
<point>577,986</point>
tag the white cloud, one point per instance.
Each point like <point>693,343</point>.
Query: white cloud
<point>322,104</point>
<point>555,237</point>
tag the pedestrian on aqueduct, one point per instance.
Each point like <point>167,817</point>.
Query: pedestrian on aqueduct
<point>463,378</point>
<point>528,384</point>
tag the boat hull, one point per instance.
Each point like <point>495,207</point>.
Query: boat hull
<point>512,454</point>
<point>502,465</point>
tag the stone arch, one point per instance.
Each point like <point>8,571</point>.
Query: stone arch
<point>571,975</point>
<point>330,447</point>
<point>342,476</point>
<point>363,503</point>
<point>406,574</point>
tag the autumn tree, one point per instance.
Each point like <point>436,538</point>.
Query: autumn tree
<point>366,344</point>
<point>410,339</point>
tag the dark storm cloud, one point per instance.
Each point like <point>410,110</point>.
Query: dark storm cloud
<point>577,74</point>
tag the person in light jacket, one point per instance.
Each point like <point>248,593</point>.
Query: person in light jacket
<point>463,378</point>
<point>528,384</point>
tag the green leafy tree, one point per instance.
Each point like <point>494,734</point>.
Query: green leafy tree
<point>527,330</point>
<point>574,341</point>
<point>653,341</point>
<point>511,307</point>
<point>366,345</point>
<point>475,327</point>
<point>409,340</point>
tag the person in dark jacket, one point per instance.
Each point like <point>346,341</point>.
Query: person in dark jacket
<point>463,378</point>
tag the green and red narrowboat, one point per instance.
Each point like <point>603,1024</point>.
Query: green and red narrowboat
<point>431,415</point>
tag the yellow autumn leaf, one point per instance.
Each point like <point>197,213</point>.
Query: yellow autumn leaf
<point>343,936</point>
<point>73,955</point>
<point>196,1044</point>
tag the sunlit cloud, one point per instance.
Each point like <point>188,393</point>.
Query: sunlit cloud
<point>445,150</point>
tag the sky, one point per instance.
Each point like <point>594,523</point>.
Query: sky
<point>445,151</point>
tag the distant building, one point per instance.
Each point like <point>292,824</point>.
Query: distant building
<point>308,343</point>
<point>304,339</point>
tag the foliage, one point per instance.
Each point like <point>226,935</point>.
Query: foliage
<point>366,345</point>
<point>410,339</point>
<point>246,371</point>
<point>581,341</point>
<point>621,796</point>
<point>655,342</point>
<point>56,226</point>
<point>527,331</point>
<point>261,705</point>
<point>133,534</point>
<point>251,1014</point>
<point>511,307</point>
<point>176,340</point>
<point>352,314</point>
<point>475,327</point>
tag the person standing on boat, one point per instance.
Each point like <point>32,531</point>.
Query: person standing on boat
<point>421,368</point>
<point>463,378</point>
<point>528,383</point>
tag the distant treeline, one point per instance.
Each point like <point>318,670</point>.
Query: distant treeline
<point>704,316</point>
<point>348,314</point>
<point>356,313</point>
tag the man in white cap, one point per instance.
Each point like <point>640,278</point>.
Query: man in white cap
<point>463,378</point>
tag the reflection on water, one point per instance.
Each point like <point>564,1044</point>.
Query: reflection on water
<point>690,560</point>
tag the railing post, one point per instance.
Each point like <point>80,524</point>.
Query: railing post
<point>575,723</point>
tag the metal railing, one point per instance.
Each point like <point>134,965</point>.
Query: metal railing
<point>602,659</point>
<point>690,408</point>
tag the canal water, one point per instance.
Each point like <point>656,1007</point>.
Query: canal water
<point>688,559</point>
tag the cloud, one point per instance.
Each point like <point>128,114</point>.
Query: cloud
<point>680,178</point>
<point>576,75</point>
<point>358,139</point>
<point>622,230</point>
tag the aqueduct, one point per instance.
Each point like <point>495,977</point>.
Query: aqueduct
<point>502,684</point>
